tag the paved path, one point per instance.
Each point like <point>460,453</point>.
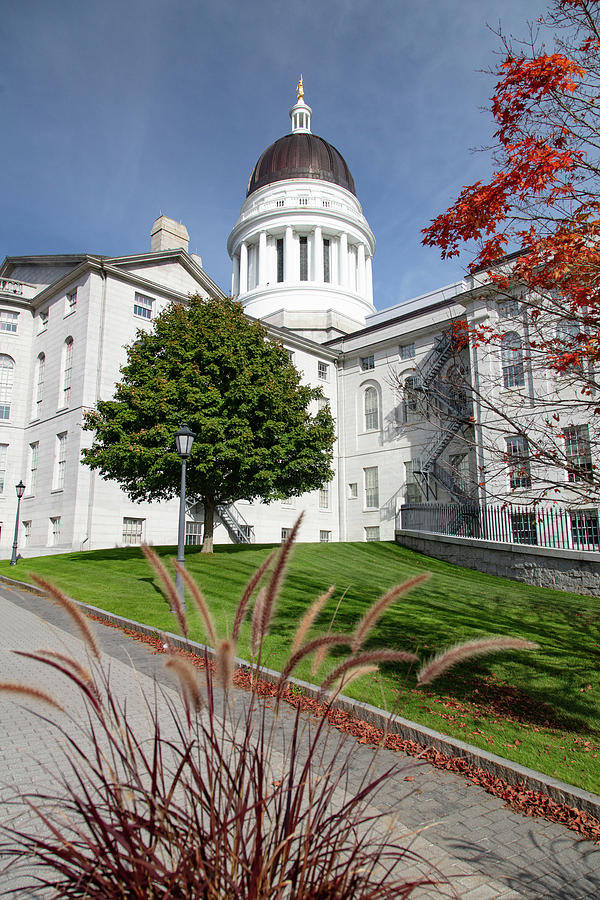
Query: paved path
<point>490,852</point>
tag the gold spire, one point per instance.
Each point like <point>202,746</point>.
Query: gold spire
<point>300,88</point>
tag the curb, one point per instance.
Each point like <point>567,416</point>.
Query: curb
<point>507,770</point>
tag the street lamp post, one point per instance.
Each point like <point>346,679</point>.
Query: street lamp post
<point>20,489</point>
<point>184,440</point>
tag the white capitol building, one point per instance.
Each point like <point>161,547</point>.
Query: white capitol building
<point>302,254</point>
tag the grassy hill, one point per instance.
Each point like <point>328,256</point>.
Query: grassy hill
<point>538,708</point>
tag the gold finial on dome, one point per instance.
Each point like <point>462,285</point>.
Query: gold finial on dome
<point>300,88</point>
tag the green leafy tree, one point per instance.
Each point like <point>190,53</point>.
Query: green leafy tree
<point>207,364</point>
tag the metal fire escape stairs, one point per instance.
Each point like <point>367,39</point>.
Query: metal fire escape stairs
<point>456,418</point>
<point>238,529</point>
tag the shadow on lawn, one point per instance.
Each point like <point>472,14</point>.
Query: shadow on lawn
<point>551,692</point>
<point>128,553</point>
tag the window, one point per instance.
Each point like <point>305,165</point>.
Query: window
<point>133,531</point>
<point>508,309</point>
<point>323,371</point>
<point>60,463</point>
<point>412,493</point>
<point>459,472</point>
<point>285,533</point>
<point>9,321</point>
<point>67,371</point>
<point>252,266</point>
<point>324,537</point>
<point>407,351</point>
<point>578,453</point>
<point>39,388</point>
<point>367,363</point>
<point>371,487</point>
<point>322,403</point>
<point>287,501</point>
<point>3,455</point>
<point>193,534</point>
<point>411,387</point>
<point>142,306</point>
<point>326,204</point>
<point>33,465</point>
<point>353,490</point>
<point>26,533</point>
<point>7,374</point>
<point>290,354</point>
<point>567,334</point>
<point>326,259</point>
<point>303,201</point>
<point>324,497</point>
<point>512,361</point>
<point>280,203</point>
<point>371,402</point>
<point>43,320</point>
<point>524,528</point>
<point>54,531</point>
<point>517,452</point>
<point>280,255</point>
<point>303,258</point>
<point>455,379</point>
<point>71,302</point>
<point>584,528</point>
<point>372,533</point>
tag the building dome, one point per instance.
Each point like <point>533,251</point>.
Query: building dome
<point>301,155</point>
<point>301,248</point>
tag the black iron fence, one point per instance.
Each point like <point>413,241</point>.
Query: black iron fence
<point>540,526</point>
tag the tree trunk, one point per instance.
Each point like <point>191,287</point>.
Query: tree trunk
<point>209,524</point>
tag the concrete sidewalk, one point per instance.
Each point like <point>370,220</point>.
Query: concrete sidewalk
<point>489,851</point>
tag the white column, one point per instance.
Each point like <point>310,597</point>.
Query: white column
<point>370,278</point>
<point>235,276</point>
<point>288,255</point>
<point>318,254</point>
<point>360,273</point>
<point>262,258</point>
<point>243,268</point>
<point>343,260</point>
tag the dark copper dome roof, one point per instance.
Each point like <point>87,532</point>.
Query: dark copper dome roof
<point>301,155</point>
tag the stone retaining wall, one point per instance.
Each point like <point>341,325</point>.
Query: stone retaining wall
<point>568,570</point>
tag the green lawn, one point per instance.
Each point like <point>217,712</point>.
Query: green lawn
<point>539,708</point>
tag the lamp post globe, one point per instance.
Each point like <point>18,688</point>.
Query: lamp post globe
<point>20,489</point>
<point>184,439</point>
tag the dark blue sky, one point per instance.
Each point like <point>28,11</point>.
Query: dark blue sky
<point>116,111</point>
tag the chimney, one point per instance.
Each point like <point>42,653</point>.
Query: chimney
<point>167,234</point>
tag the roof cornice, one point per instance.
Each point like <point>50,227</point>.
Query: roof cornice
<point>458,300</point>
<point>60,259</point>
<point>90,263</point>
<point>84,263</point>
<point>176,255</point>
